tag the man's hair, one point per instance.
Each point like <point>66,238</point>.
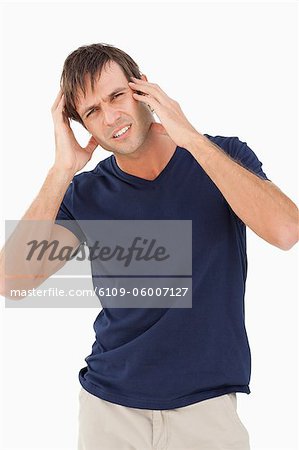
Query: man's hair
<point>90,60</point>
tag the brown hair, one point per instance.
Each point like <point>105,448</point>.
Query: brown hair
<point>90,60</point>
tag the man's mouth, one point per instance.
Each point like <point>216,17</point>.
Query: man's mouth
<point>121,133</point>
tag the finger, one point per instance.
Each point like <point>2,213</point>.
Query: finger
<point>57,100</point>
<point>144,82</point>
<point>152,86</point>
<point>61,103</point>
<point>57,111</point>
<point>145,90</point>
<point>60,114</point>
<point>149,88</point>
<point>148,100</point>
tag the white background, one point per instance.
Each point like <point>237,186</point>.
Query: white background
<point>233,68</point>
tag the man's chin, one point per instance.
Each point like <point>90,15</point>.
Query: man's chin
<point>124,148</point>
<point>109,148</point>
<point>119,150</point>
<point>124,151</point>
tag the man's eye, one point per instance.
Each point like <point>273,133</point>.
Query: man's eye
<point>117,95</point>
<point>90,112</point>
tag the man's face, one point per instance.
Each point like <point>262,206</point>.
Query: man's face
<point>110,108</point>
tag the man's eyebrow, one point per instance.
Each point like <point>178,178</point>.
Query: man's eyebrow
<point>115,91</point>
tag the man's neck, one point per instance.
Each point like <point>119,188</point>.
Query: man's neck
<point>149,162</point>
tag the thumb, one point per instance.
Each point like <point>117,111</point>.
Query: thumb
<point>92,145</point>
<point>158,128</point>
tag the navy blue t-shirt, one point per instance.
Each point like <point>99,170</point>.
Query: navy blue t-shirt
<point>173,357</point>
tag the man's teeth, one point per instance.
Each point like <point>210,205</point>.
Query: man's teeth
<point>122,131</point>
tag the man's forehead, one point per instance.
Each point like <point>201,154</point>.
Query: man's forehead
<point>105,82</point>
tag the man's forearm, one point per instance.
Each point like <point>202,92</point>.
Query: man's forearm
<point>45,206</point>
<point>36,225</point>
<point>260,204</point>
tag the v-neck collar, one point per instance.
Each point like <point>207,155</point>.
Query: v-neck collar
<point>144,181</point>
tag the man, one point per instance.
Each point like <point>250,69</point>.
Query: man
<point>159,378</point>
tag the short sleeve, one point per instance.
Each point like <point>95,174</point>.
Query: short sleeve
<point>66,216</point>
<point>246,157</point>
<point>240,152</point>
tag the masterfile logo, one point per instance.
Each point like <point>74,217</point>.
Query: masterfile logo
<point>122,263</point>
<point>140,249</point>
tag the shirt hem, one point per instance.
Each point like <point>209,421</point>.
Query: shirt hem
<point>124,400</point>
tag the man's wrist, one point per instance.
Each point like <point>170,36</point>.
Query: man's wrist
<point>200,147</point>
<point>192,139</point>
<point>61,174</point>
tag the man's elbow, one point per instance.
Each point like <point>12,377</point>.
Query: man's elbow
<point>289,238</point>
<point>11,291</point>
<point>3,292</point>
<point>13,294</point>
<point>287,245</point>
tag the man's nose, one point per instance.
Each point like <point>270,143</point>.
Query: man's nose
<point>110,115</point>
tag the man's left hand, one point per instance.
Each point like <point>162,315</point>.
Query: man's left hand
<point>175,123</point>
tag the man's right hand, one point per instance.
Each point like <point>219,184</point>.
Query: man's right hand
<point>38,223</point>
<point>69,156</point>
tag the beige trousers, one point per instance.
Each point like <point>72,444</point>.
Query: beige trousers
<point>211,424</point>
